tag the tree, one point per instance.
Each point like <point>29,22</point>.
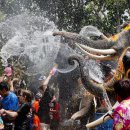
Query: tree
<point>72,15</point>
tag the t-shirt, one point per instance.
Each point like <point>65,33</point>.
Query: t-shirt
<point>44,107</point>
<point>55,115</point>
<point>22,121</point>
<point>121,116</point>
<point>10,102</point>
<point>36,121</point>
<point>35,105</point>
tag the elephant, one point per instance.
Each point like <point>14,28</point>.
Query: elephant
<point>115,47</point>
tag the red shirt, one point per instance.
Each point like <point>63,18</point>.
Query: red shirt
<point>36,105</point>
<point>56,115</point>
<point>36,122</point>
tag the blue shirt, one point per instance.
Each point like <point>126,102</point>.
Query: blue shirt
<point>10,102</point>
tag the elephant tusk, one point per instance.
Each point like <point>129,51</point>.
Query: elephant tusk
<point>94,56</point>
<point>98,51</point>
<point>102,119</point>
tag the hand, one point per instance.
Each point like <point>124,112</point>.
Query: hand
<point>51,109</point>
<point>53,71</point>
<point>2,111</point>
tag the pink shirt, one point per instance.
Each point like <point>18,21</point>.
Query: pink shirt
<point>121,116</point>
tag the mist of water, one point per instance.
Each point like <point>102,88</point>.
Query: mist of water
<point>30,35</point>
<point>89,31</point>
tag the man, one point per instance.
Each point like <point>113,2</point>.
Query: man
<point>23,115</point>
<point>9,102</point>
<point>44,107</point>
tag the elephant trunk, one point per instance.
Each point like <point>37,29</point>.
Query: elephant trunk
<point>88,84</point>
<point>98,44</point>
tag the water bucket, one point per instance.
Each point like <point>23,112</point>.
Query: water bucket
<point>108,125</point>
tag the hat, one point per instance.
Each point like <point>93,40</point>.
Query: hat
<point>38,95</point>
<point>42,78</point>
<point>8,71</point>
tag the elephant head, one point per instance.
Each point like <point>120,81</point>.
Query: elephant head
<point>116,46</point>
<point>104,49</point>
<point>122,71</point>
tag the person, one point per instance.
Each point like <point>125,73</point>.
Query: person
<point>8,71</point>
<point>22,116</point>
<point>35,104</point>
<point>36,120</point>
<point>44,108</point>
<point>10,103</point>
<point>54,114</point>
<point>121,115</point>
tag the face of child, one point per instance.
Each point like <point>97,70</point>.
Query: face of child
<point>21,98</point>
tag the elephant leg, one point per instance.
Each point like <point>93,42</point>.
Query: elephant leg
<point>85,104</point>
<point>86,110</point>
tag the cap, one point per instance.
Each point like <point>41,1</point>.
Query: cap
<point>38,95</point>
<point>8,71</point>
<point>42,78</point>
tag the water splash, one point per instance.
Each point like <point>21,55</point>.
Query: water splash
<point>89,31</point>
<point>95,71</point>
<point>30,35</point>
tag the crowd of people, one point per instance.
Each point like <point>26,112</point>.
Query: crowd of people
<point>21,110</point>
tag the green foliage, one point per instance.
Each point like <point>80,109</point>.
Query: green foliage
<point>72,15</point>
<point>1,68</point>
<point>106,15</point>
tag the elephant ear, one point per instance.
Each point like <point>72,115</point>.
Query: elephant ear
<point>90,31</point>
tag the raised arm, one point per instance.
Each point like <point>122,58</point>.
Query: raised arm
<point>46,81</point>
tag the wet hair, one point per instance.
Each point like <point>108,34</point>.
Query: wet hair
<point>122,88</point>
<point>27,94</point>
<point>4,85</point>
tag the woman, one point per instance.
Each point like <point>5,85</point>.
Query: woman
<point>23,117</point>
<point>121,113</point>
<point>44,108</point>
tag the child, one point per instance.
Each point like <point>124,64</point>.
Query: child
<point>36,120</point>
<point>54,114</point>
